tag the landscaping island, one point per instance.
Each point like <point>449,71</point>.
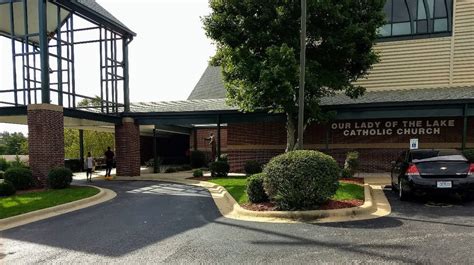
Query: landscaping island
<point>349,194</point>
<point>31,201</point>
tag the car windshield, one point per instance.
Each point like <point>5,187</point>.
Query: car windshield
<point>437,155</point>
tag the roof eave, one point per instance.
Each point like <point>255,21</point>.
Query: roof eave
<point>73,5</point>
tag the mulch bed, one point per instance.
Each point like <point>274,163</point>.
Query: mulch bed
<point>329,205</point>
<point>201,178</point>
<point>333,204</point>
<point>18,192</point>
<point>352,180</point>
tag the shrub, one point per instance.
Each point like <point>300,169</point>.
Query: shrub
<point>151,163</point>
<point>252,167</point>
<point>301,180</point>
<point>2,174</point>
<point>346,173</point>
<point>20,177</point>
<point>224,157</point>
<point>198,159</point>
<point>4,165</point>
<point>197,173</point>
<point>18,163</point>
<point>171,170</point>
<point>7,188</point>
<point>73,164</point>
<point>185,168</point>
<point>352,162</point>
<point>255,190</point>
<point>219,169</point>
<point>59,178</point>
<point>469,154</point>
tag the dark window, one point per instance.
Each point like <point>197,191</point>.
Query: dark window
<point>416,17</point>
<point>447,154</point>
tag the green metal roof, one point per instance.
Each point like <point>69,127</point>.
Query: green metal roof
<point>93,10</point>
<point>412,96</point>
<point>211,86</point>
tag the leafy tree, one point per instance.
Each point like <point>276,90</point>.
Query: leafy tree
<point>13,143</point>
<point>94,142</point>
<point>95,102</point>
<point>258,49</point>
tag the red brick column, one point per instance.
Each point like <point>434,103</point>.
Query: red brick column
<point>127,144</point>
<point>45,139</point>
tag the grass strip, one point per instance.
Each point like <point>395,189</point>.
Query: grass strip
<point>28,202</point>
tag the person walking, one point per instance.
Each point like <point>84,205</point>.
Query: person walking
<point>109,161</point>
<point>90,163</point>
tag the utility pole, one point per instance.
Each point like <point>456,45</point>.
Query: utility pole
<point>302,75</point>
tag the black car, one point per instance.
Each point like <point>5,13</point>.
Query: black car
<point>430,170</point>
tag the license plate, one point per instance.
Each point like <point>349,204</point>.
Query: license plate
<point>444,184</point>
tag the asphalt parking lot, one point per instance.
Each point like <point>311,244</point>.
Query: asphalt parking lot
<point>150,222</point>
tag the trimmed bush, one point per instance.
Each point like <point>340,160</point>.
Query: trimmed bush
<point>224,157</point>
<point>4,165</point>
<point>197,173</point>
<point>219,169</point>
<point>185,168</point>
<point>59,178</point>
<point>171,170</point>
<point>7,189</point>
<point>346,173</point>
<point>352,162</point>
<point>252,167</point>
<point>73,164</point>
<point>2,174</point>
<point>151,163</point>
<point>255,190</point>
<point>198,159</point>
<point>301,180</point>
<point>20,177</point>
<point>469,154</point>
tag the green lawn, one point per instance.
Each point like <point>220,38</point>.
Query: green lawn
<point>236,187</point>
<point>19,204</point>
<point>349,191</point>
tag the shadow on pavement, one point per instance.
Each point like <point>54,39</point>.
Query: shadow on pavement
<point>142,214</point>
<point>373,250</point>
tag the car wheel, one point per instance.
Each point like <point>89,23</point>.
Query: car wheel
<point>403,193</point>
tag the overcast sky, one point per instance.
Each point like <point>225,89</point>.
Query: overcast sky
<point>166,58</point>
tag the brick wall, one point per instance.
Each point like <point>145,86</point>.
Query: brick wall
<point>127,142</point>
<point>201,134</point>
<point>262,141</point>
<point>45,139</point>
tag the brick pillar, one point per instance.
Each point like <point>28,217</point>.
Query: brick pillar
<point>45,139</point>
<point>127,148</point>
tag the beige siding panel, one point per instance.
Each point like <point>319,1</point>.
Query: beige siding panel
<point>410,64</point>
<point>463,56</point>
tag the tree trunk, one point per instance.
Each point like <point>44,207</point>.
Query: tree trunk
<point>290,133</point>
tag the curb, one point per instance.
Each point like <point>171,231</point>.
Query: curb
<point>311,215</point>
<point>229,208</point>
<point>26,218</point>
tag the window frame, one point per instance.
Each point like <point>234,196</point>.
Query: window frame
<point>430,19</point>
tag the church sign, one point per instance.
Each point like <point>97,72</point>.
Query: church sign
<point>392,127</point>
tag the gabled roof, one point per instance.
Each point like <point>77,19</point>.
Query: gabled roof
<point>412,96</point>
<point>210,86</point>
<point>96,12</point>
